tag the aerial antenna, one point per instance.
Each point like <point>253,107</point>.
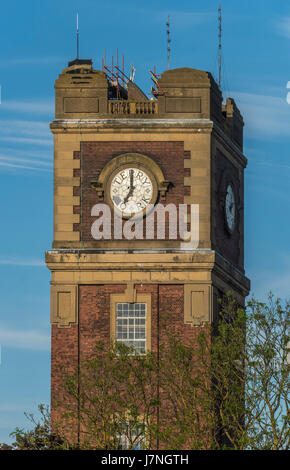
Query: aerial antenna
<point>168,41</point>
<point>77,35</point>
<point>220,44</point>
<point>132,74</point>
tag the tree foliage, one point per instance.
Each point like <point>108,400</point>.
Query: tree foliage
<point>227,389</point>
<point>39,438</point>
<point>250,372</point>
<point>116,398</point>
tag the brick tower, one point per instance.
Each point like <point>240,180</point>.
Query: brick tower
<point>182,147</point>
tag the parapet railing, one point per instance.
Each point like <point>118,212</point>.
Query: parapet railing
<point>122,107</point>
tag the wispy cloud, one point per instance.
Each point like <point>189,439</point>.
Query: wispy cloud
<point>21,167</point>
<point>24,339</point>
<point>265,186</point>
<point>14,61</point>
<point>281,285</point>
<point>14,160</point>
<point>259,156</point>
<point>25,132</point>
<point>41,154</point>
<point>274,165</point>
<point>21,134</point>
<point>15,261</point>
<point>25,140</point>
<point>282,26</point>
<point>39,106</point>
<point>264,115</point>
<point>263,283</point>
<point>24,127</point>
<point>274,277</point>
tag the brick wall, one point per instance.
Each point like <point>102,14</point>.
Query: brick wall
<point>77,343</point>
<point>168,155</point>
<point>64,360</point>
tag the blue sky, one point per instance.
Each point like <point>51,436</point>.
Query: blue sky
<point>38,38</point>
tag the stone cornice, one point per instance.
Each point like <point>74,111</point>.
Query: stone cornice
<point>94,125</point>
<point>182,262</point>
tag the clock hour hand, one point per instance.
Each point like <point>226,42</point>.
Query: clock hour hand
<point>131,187</point>
<point>129,194</point>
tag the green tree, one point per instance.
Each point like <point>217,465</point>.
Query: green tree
<point>116,397</point>
<point>250,375</point>
<point>40,437</point>
<point>227,389</point>
<point>267,375</point>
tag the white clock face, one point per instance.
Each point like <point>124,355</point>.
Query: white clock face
<point>131,191</point>
<point>230,208</point>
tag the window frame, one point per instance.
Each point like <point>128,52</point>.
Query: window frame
<point>124,298</point>
<point>135,318</point>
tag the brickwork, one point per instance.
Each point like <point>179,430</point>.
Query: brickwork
<point>168,155</point>
<point>77,343</point>
<point>64,360</point>
<point>94,316</point>
<point>94,321</point>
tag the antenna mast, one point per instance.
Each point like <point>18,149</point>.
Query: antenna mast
<point>168,42</point>
<point>77,35</point>
<point>220,45</point>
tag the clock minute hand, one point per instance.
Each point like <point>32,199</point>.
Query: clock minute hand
<point>131,178</point>
<point>131,187</point>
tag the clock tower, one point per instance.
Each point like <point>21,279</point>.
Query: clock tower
<point>175,163</point>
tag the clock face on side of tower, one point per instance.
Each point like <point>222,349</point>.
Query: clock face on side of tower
<point>131,190</point>
<point>230,208</point>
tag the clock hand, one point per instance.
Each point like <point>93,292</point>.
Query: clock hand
<point>131,187</point>
<point>131,178</point>
<point>129,194</point>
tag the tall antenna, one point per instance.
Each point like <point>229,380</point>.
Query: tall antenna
<point>220,45</point>
<point>77,35</point>
<point>168,42</point>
